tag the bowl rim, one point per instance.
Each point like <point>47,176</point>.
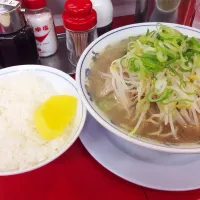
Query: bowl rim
<point>100,119</point>
<point>83,113</point>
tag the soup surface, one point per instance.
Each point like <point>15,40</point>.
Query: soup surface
<point>98,85</point>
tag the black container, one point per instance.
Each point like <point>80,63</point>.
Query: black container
<point>105,29</point>
<point>17,42</point>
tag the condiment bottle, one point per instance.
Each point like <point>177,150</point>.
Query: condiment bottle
<point>17,42</point>
<point>104,9</point>
<point>80,22</point>
<point>40,18</point>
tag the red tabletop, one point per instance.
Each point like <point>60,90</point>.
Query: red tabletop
<point>77,176</point>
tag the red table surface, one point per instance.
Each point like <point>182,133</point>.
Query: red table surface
<point>77,176</point>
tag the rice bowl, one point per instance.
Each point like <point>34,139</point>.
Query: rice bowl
<point>22,89</point>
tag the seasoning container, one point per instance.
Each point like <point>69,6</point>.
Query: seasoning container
<point>40,18</point>
<point>171,11</point>
<point>104,9</point>
<point>80,22</point>
<point>17,42</point>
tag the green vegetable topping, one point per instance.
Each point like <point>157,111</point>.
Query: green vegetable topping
<point>160,69</point>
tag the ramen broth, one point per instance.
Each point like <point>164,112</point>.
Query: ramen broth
<point>116,112</point>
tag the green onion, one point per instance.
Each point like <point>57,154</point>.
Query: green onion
<point>151,65</point>
<point>146,39</point>
<point>161,98</point>
<point>196,60</point>
<point>170,46</point>
<point>164,60</point>
<point>150,55</point>
<point>190,92</point>
<point>159,45</point>
<point>189,54</point>
<point>168,33</point>
<point>134,65</point>
<point>172,61</point>
<point>123,61</point>
<point>161,56</point>
<point>147,33</point>
<point>193,43</point>
<point>142,72</point>
<point>187,67</point>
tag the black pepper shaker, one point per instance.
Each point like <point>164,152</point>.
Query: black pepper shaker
<point>17,42</point>
<point>104,9</point>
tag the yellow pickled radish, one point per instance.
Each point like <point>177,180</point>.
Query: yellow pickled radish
<point>53,116</point>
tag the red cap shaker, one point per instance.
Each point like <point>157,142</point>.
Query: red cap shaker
<point>79,19</point>
<point>79,15</point>
<point>34,4</point>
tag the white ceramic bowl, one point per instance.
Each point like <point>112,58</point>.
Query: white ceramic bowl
<point>83,70</point>
<point>63,84</point>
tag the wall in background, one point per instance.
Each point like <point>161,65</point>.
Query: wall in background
<point>121,8</point>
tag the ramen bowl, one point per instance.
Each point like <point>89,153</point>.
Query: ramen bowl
<point>84,69</point>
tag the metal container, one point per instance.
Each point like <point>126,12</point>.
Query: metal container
<point>11,19</point>
<point>17,41</point>
<point>160,10</point>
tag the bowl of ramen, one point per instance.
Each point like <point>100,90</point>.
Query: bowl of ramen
<point>142,83</point>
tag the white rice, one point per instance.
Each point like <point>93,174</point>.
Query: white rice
<point>21,146</point>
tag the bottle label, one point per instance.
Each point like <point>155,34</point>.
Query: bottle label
<point>44,32</point>
<point>9,2</point>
